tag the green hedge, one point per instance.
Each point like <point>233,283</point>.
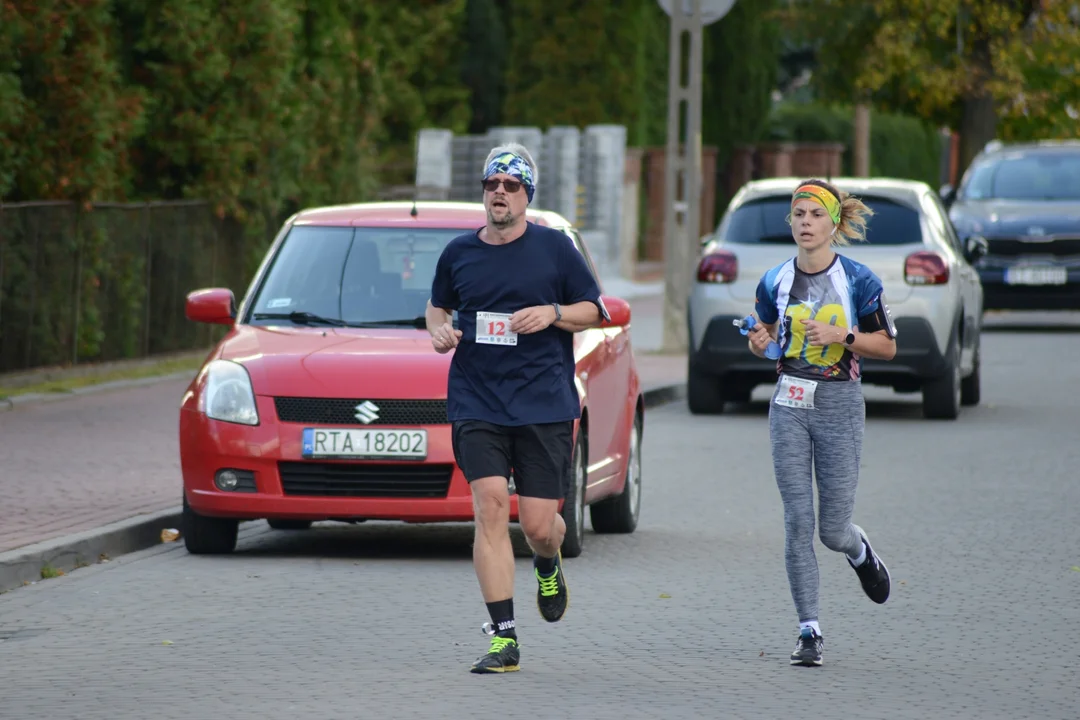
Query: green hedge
<point>901,146</point>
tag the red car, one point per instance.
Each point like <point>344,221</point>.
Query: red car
<point>326,401</point>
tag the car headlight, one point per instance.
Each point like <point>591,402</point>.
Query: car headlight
<point>228,395</point>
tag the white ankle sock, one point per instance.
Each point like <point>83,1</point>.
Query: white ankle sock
<point>810,624</point>
<point>862,557</point>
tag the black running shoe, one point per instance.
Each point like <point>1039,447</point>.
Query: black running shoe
<point>873,574</point>
<point>552,595</point>
<point>808,650</point>
<point>504,656</point>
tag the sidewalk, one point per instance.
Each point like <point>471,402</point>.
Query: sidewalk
<point>98,473</point>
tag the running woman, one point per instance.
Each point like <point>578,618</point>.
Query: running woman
<point>827,312</point>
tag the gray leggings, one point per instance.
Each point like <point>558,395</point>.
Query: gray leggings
<point>827,438</point>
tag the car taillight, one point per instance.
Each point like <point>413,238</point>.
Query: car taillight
<point>926,268</point>
<point>720,266</point>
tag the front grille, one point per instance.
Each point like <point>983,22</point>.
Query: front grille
<point>340,411</point>
<point>1056,245</point>
<point>352,480</point>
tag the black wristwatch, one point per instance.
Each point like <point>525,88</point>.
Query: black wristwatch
<point>558,312</point>
<point>849,339</point>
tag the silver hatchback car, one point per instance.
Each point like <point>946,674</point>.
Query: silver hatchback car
<point>930,285</point>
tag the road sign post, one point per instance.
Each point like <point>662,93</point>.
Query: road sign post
<point>682,171</point>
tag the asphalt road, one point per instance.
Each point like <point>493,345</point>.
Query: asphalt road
<point>688,617</point>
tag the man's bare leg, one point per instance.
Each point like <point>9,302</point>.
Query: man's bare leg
<point>493,555</point>
<point>493,559</point>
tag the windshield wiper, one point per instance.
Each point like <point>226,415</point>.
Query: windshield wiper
<point>417,322</point>
<point>301,318</point>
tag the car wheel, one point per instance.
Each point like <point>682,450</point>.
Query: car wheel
<point>941,397</point>
<point>971,386</point>
<point>620,513</point>
<point>208,535</point>
<point>704,392</point>
<point>289,524</point>
<point>573,511</point>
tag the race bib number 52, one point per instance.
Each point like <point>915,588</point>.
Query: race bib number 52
<point>494,329</point>
<point>796,392</point>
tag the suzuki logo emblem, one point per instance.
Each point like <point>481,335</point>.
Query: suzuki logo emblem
<point>367,412</point>
<point>1036,231</point>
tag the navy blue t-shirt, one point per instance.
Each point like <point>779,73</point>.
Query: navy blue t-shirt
<point>529,382</point>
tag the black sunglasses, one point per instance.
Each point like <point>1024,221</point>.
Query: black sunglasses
<point>512,186</point>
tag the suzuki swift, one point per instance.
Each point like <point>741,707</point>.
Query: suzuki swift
<point>326,401</point>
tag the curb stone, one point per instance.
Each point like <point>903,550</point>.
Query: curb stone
<point>66,553</point>
<point>663,394</point>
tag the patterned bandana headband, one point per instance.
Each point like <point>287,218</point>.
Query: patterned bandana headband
<point>514,165</point>
<point>825,198</point>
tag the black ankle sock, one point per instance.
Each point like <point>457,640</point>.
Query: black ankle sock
<point>544,565</point>
<point>502,617</point>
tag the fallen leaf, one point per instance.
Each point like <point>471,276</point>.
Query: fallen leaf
<point>1076,568</point>
<point>166,642</point>
<point>665,596</point>
<point>903,582</point>
<point>761,654</point>
<point>169,535</point>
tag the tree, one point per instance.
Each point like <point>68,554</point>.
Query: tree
<point>416,55</point>
<point>483,62</point>
<point>740,64</point>
<point>985,67</point>
<point>65,116</point>
<point>582,63</point>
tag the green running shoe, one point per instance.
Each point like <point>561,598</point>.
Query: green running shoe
<point>504,656</point>
<point>552,596</point>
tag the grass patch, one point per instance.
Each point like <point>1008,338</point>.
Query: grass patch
<point>48,571</point>
<point>104,375</point>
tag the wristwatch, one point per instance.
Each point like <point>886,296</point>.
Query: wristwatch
<point>849,339</point>
<point>558,312</point>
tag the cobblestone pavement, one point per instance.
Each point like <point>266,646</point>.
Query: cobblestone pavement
<point>688,617</point>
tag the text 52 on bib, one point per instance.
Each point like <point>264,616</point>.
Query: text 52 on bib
<point>796,392</point>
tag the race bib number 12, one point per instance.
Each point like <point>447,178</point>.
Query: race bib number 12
<point>494,329</point>
<point>796,392</point>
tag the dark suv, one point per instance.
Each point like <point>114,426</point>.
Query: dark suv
<point>1025,200</point>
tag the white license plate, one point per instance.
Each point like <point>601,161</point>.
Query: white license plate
<point>1036,276</point>
<point>366,444</point>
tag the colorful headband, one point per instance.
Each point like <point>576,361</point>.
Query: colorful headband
<point>514,165</point>
<point>825,198</point>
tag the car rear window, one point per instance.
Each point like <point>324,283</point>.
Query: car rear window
<point>764,221</point>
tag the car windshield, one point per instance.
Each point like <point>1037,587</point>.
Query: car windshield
<point>1026,176</point>
<point>764,221</point>
<point>358,277</point>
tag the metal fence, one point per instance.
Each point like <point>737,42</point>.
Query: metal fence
<point>108,281</point>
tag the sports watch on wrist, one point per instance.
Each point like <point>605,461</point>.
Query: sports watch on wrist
<point>558,312</point>
<point>849,339</point>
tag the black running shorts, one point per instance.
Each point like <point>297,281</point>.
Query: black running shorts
<point>538,455</point>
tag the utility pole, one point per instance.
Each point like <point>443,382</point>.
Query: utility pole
<point>682,170</point>
<point>862,138</point>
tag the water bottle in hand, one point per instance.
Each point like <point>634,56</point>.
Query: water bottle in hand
<point>772,350</point>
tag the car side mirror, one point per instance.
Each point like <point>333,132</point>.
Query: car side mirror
<point>975,247</point>
<point>618,309</point>
<point>216,306</point>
